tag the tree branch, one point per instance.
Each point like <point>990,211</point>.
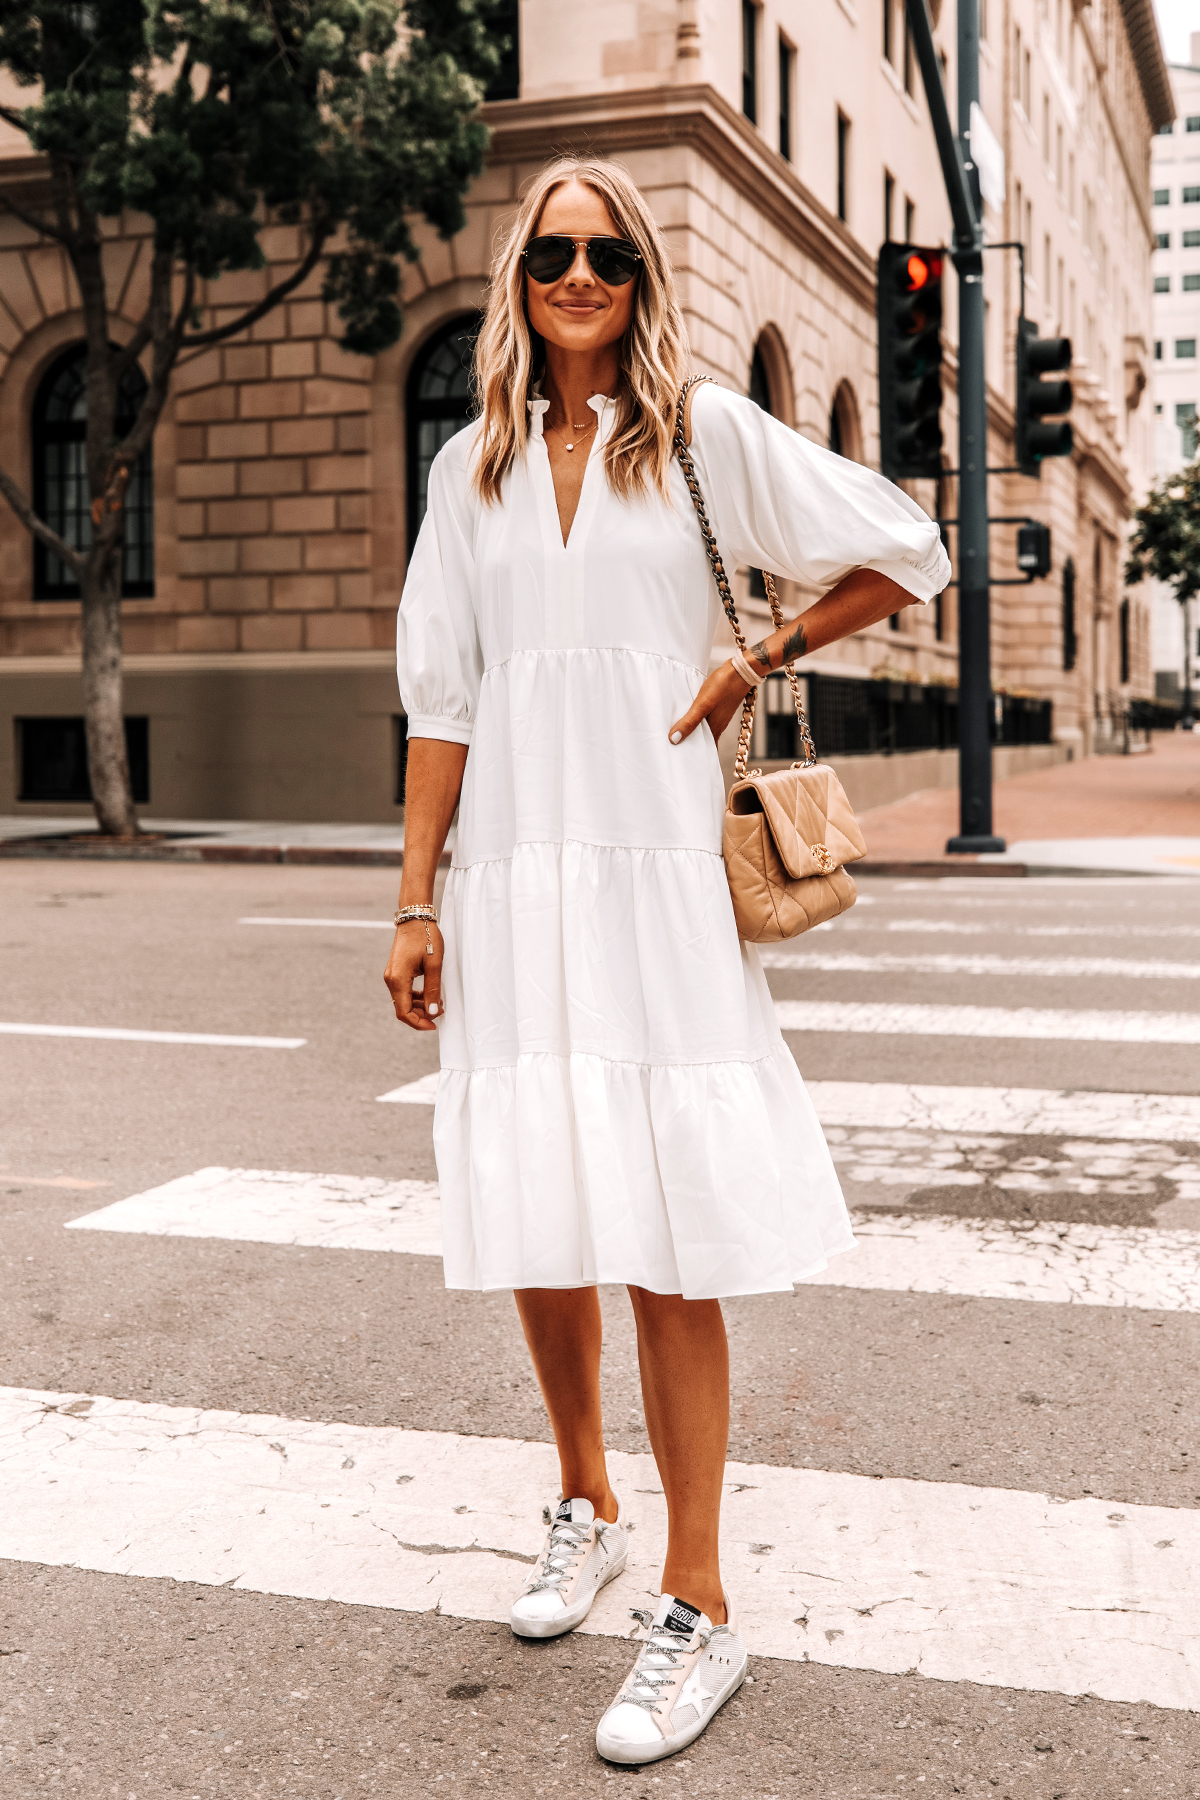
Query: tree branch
<point>41,226</point>
<point>167,337</point>
<point>127,355</point>
<point>197,340</point>
<point>41,531</point>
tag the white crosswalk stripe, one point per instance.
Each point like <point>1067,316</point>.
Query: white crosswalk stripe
<point>1054,968</point>
<point>992,1022</point>
<point>1049,1112</point>
<point>991,1585</point>
<point>1090,1265</point>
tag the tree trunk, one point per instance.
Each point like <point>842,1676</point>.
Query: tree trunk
<point>103,694</point>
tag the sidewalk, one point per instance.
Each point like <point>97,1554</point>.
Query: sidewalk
<point>209,840</point>
<point>1139,813</point>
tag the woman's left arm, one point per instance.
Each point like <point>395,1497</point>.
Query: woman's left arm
<point>862,598</point>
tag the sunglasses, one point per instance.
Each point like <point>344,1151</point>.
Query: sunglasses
<point>614,261</point>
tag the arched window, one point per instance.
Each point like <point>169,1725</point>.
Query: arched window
<point>845,430</point>
<point>60,484</point>
<point>438,404</point>
<point>760,386</point>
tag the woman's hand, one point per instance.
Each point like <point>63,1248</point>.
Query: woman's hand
<point>409,959</point>
<point>719,698</point>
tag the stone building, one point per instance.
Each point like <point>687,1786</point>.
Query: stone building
<point>1175,188</point>
<point>780,144</point>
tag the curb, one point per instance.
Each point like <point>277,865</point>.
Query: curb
<point>296,855</point>
<point>935,869</point>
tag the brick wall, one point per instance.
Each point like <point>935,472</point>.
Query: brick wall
<point>273,483</point>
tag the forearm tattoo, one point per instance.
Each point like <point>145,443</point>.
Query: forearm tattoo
<point>794,645</point>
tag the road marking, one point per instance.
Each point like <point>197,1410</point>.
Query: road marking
<point>349,924</point>
<point>1061,968</point>
<point>1044,1112</point>
<point>51,1181</point>
<point>1022,1022</point>
<point>1087,1265</point>
<point>965,928</point>
<point>275,1206</point>
<point>1000,1587</point>
<point>153,1037</point>
<point>415,1093</point>
<point>1041,1112</point>
<point>991,1259</point>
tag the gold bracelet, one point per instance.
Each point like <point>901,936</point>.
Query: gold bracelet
<point>426,915</point>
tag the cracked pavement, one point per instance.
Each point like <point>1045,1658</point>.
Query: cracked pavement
<point>115,1685</point>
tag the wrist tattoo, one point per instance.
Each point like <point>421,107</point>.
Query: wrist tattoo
<point>761,654</point>
<point>794,645</point>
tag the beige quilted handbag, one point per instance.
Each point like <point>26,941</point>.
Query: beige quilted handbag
<point>787,835</point>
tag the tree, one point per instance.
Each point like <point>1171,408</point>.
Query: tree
<point>1166,547</point>
<point>211,117</point>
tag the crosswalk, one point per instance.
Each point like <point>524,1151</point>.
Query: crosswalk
<point>1025,1197</point>
<point>1090,1265</point>
<point>991,1585</point>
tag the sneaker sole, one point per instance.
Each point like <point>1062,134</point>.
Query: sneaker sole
<point>568,1620</point>
<point>635,1755</point>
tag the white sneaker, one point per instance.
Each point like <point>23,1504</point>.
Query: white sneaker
<point>688,1667</point>
<point>581,1553</point>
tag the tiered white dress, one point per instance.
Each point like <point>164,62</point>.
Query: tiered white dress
<point>616,1102</point>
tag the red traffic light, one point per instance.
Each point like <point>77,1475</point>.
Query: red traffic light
<point>920,269</point>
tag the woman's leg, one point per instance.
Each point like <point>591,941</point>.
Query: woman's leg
<point>684,1359</point>
<point>563,1330</point>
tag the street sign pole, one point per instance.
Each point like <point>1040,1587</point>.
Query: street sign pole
<point>974,637</point>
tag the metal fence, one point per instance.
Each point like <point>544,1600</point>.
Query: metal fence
<point>862,718</point>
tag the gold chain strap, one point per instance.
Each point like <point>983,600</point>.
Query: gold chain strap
<point>724,590</point>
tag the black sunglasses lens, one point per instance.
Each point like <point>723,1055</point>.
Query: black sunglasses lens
<point>549,258</point>
<point>613,260</point>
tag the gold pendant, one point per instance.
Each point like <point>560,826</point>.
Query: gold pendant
<point>569,446</point>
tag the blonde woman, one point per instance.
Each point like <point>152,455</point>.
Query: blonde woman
<point>616,1102</point>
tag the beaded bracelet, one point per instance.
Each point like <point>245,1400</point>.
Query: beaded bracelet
<point>405,913</point>
<point>426,915</point>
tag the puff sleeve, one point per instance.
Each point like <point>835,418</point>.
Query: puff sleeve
<point>779,502</point>
<point>439,664</point>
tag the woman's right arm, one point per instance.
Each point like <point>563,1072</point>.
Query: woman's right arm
<point>432,785</point>
<point>439,666</point>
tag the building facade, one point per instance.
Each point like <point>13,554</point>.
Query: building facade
<point>1175,192</point>
<point>779,145</point>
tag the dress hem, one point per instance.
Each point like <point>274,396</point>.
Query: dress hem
<point>613,1280</point>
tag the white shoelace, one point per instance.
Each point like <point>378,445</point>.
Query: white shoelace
<point>567,1541</point>
<point>665,1646</point>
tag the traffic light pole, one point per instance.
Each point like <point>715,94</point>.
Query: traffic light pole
<point>974,635</point>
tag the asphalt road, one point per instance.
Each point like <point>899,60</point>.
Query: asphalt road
<point>137,1687</point>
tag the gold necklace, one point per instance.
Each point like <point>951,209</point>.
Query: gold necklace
<point>574,427</point>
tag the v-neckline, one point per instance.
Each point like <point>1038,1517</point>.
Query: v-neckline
<point>551,522</point>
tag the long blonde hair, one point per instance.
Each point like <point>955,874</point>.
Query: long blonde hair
<point>509,354</point>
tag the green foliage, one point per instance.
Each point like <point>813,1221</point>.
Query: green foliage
<point>1165,545</point>
<point>347,116</point>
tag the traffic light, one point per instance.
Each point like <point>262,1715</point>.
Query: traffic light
<point>1033,548</point>
<point>909,303</point>
<point>1037,399</point>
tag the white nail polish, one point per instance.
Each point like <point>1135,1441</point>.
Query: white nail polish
<point>677,737</point>
<point>432,1008</point>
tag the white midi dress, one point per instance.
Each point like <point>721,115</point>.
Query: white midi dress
<point>616,1102</point>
